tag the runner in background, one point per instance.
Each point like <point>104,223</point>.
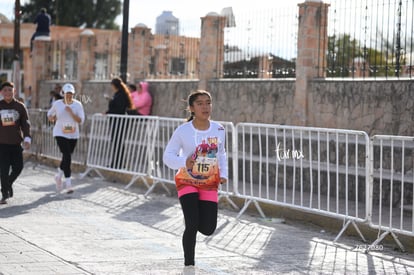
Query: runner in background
<point>67,114</point>
<point>14,129</point>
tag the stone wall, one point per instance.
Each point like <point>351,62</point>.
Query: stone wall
<point>376,107</point>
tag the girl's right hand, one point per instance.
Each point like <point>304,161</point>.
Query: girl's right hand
<point>52,118</point>
<point>189,163</point>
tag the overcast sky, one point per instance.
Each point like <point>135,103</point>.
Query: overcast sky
<point>186,10</point>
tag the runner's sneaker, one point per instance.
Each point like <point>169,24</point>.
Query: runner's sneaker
<point>58,179</point>
<point>189,270</point>
<point>3,201</point>
<point>68,184</point>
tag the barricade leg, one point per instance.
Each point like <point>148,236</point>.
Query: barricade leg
<point>88,170</point>
<point>134,179</point>
<point>346,226</point>
<point>230,201</point>
<point>154,184</point>
<point>246,204</point>
<point>380,238</point>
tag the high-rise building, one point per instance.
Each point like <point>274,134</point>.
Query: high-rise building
<point>167,24</point>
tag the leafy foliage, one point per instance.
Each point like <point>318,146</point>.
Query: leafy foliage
<point>99,14</point>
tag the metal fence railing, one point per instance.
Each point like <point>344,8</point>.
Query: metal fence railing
<point>392,186</point>
<point>262,44</point>
<point>337,173</point>
<point>317,170</point>
<point>123,144</point>
<point>370,38</point>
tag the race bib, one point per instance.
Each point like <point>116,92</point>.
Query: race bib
<point>205,171</point>
<point>7,119</point>
<point>69,128</point>
<point>204,166</point>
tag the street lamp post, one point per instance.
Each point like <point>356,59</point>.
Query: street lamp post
<point>16,48</point>
<point>124,43</point>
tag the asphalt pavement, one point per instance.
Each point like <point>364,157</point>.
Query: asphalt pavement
<point>104,229</point>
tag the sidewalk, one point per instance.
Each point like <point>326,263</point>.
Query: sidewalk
<point>104,229</point>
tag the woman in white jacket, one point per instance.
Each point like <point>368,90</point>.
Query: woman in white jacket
<point>67,114</point>
<point>197,150</point>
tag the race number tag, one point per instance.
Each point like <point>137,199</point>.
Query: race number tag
<point>68,128</point>
<point>204,166</point>
<point>7,119</point>
<point>205,171</point>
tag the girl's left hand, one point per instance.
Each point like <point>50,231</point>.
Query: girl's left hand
<point>223,180</point>
<point>68,109</point>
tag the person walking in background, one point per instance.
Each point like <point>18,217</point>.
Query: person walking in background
<point>133,92</point>
<point>43,22</point>
<point>197,150</point>
<point>14,129</point>
<point>53,97</point>
<point>120,104</point>
<point>67,114</point>
<point>121,101</point>
<point>142,99</point>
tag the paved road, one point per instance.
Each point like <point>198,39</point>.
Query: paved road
<point>104,229</point>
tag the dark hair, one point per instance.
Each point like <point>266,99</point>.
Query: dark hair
<point>7,84</point>
<point>122,87</point>
<point>43,10</point>
<point>132,86</point>
<point>193,97</point>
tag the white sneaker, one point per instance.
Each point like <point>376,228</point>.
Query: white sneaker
<point>68,185</point>
<point>189,270</point>
<point>58,180</point>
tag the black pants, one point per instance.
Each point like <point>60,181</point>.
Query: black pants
<point>119,126</point>
<point>35,34</point>
<point>199,216</point>
<point>66,147</point>
<point>11,156</point>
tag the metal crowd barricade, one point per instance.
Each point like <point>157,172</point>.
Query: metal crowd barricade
<point>44,144</point>
<point>392,187</point>
<point>122,143</point>
<point>331,172</point>
<point>163,174</point>
<point>36,121</point>
<point>323,171</point>
<point>227,190</point>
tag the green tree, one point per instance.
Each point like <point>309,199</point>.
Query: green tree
<point>99,14</point>
<point>381,62</point>
<point>342,50</point>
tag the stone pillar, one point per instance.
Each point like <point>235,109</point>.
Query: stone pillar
<point>211,48</point>
<point>311,60</point>
<point>139,52</point>
<point>264,67</point>
<point>86,56</point>
<point>161,61</point>
<point>41,69</point>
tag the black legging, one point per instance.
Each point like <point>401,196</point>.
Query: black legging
<point>66,147</point>
<point>199,216</point>
<point>119,127</point>
<point>11,156</point>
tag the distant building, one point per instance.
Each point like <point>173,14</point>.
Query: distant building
<point>167,24</point>
<point>4,19</point>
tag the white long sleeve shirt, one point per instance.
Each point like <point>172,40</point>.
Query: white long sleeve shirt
<point>65,125</point>
<point>186,140</point>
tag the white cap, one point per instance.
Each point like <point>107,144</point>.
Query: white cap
<point>68,88</point>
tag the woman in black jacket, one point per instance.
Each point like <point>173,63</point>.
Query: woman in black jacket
<point>120,104</point>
